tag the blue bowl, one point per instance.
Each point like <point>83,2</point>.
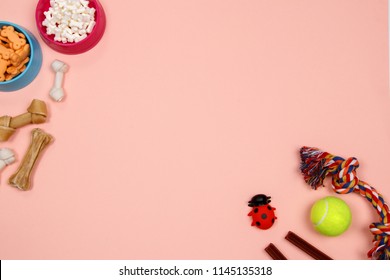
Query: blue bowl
<point>33,66</point>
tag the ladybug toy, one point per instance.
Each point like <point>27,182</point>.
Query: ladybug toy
<point>262,213</point>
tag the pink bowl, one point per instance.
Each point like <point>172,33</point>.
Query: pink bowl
<point>72,48</point>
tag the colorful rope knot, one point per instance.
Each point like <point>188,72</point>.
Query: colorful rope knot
<point>316,165</point>
<point>380,229</point>
<point>344,178</point>
<point>381,232</point>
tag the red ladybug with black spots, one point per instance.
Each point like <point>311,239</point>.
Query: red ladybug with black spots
<point>263,215</point>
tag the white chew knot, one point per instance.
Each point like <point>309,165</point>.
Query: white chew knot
<point>57,91</point>
<point>69,15</point>
<point>6,157</point>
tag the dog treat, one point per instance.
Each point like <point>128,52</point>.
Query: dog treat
<point>14,70</point>
<point>69,20</point>
<point>21,179</point>
<point>20,55</point>
<point>57,91</point>
<point>36,114</point>
<point>274,252</point>
<point>6,157</point>
<point>306,247</point>
<point>14,53</point>
<point>16,41</point>
<point>5,52</point>
<point>11,76</point>
<point>4,40</point>
<point>3,68</point>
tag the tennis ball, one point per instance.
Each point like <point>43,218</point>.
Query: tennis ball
<point>330,216</point>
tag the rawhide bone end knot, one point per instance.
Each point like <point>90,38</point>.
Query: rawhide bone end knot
<point>6,157</point>
<point>39,140</point>
<point>36,114</point>
<point>57,91</point>
<point>316,165</point>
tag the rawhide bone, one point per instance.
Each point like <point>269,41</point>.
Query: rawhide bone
<point>36,114</point>
<point>21,179</point>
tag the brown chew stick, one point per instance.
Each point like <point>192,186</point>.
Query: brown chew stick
<point>306,247</point>
<point>36,114</point>
<point>21,179</point>
<point>274,252</point>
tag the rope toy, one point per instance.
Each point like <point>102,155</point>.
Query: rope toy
<point>316,165</point>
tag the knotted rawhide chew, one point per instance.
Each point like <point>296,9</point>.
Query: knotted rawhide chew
<point>36,114</point>
<point>316,165</point>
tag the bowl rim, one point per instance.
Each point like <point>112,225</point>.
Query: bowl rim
<point>45,36</point>
<point>32,50</point>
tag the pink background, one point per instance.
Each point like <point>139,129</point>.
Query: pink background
<point>183,112</point>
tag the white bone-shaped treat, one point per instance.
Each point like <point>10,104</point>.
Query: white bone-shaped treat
<point>66,14</point>
<point>57,91</point>
<point>6,157</point>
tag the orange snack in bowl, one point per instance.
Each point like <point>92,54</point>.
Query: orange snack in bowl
<point>3,68</point>
<point>14,70</point>
<point>16,42</point>
<point>5,52</point>
<point>13,62</point>
<point>20,55</point>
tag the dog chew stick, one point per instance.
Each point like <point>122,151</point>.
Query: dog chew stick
<point>39,140</point>
<point>306,247</point>
<point>274,252</point>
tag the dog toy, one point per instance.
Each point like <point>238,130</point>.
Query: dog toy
<point>36,114</point>
<point>6,157</point>
<point>39,140</point>
<point>263,215</point>
<point>330,216</point>
<point>57,91</point>
<point>316,165</point>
